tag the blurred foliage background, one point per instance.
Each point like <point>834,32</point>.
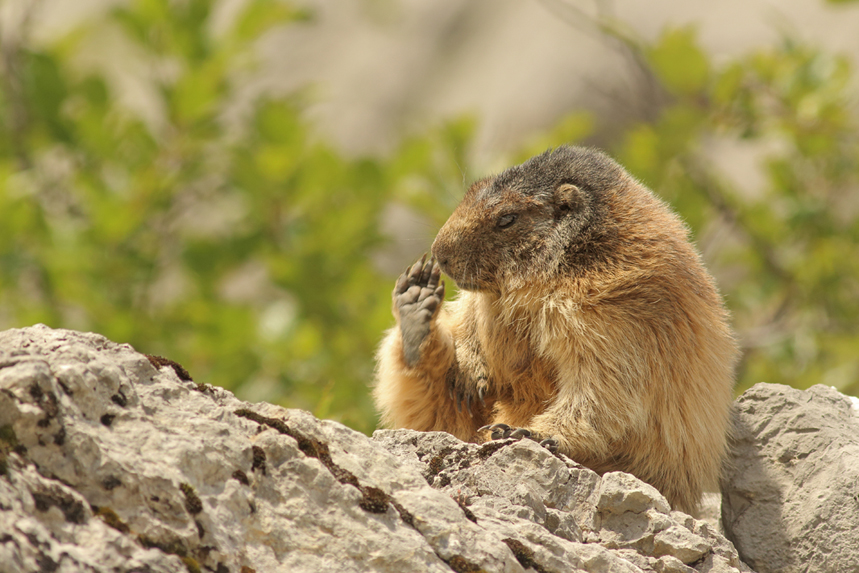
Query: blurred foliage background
<point>229,236</point>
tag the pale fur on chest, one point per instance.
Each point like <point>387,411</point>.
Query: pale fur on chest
<point>538,346</point>
<point>519,340</point>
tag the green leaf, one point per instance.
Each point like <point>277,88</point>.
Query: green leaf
<point>679,62</point>
<point>197,94</point>
<point>260,16</point>
<point>46,90</point>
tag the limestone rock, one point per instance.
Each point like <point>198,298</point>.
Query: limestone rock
<point>791,494</point>
<point>568,517</point>
<point>110,461</point>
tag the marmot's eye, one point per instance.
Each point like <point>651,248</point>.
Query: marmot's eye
<point>505,221</point>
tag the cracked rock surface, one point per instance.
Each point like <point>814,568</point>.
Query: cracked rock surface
<point>568,517</point>
<point>791,492</point>
<point>112,461</point>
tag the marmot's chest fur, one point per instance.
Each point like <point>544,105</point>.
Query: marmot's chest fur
<point>585,318</point>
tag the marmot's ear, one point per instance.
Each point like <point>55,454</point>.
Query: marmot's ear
<point>568,197</point>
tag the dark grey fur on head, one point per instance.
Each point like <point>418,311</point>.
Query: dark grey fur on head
<point>585,167</point>
<point>557,212</point>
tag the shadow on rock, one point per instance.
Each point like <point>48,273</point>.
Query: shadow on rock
<point>790,492</point>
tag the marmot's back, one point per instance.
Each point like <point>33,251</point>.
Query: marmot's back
<point>586,317</point>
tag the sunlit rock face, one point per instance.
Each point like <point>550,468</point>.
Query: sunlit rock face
<point>115,461</point>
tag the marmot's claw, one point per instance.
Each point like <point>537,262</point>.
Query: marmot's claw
<point>550,444</point>
<point>417,271</point>
<point>427,272</point>
<point>465,397</point>
<point>460,399</point>
<point>501,433</point>
<point>498,431</point>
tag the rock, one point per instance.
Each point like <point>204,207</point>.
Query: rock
<point>111,461</point>
<point>791,493</point>
<point>567,515</point>
<point>622,493</point>
<point>680,543</point>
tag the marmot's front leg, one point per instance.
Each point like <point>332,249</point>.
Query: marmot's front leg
<point>418,296</point>
<point>417,360</point>
<point>469,385</point>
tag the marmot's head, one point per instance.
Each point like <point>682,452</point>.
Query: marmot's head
<point>545,216</point>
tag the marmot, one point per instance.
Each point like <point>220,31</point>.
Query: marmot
<point>585,320</point>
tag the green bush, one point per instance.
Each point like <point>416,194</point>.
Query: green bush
<point>225,235</point>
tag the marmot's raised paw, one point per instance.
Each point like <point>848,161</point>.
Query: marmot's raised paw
<point>418,295</point>
<point>501,431</point>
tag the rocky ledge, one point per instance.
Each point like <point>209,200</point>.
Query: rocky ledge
<point>114,461</point>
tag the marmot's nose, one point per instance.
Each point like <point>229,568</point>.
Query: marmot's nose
<point>440,252</point>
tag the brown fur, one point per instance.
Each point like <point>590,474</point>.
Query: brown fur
<point>590,319</point>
